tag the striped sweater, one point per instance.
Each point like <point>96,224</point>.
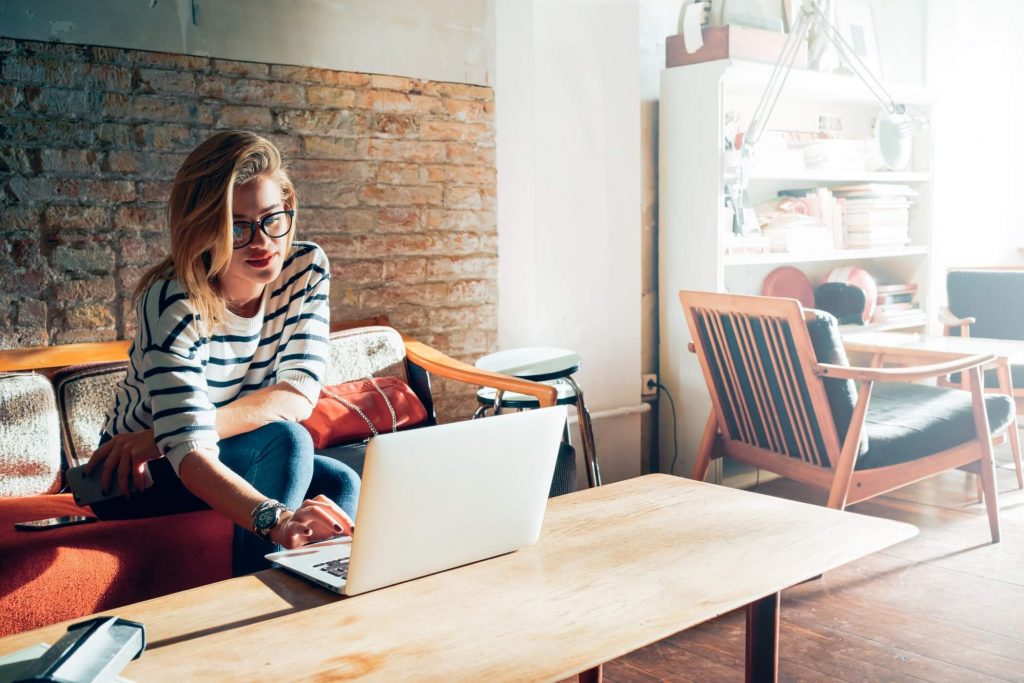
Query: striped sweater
<point>177,377</point>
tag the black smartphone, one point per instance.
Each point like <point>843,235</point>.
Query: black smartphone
<point>88,489</point>
<point>53,523</point>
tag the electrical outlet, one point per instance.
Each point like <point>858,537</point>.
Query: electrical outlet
<point>648,385</point>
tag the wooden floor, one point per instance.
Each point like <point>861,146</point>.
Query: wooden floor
<point>944,606</point>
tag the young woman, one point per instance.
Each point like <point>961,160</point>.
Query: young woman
<point>228,357</point>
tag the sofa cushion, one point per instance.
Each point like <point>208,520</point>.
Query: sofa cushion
<point>84,394</point>
<point>362,352</point>
<point>909,421</point>
<point>30,460</point>
<point>823,329</point>
<point>66,573</point>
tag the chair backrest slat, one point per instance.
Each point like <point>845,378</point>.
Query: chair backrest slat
<point>758,363</point>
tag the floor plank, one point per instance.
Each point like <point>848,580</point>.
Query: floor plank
<point>947,605</point>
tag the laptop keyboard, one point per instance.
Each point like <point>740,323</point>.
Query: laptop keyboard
<point>337,568</point>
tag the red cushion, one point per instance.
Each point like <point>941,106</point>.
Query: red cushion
<point>57,574</point>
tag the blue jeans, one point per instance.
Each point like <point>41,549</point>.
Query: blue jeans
<point>277,459</point>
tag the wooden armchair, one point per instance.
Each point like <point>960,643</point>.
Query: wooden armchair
<point>784,398</point>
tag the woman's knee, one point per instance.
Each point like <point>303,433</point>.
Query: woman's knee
<point>337,481</point>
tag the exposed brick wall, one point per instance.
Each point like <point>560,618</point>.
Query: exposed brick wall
<point>395,177</point>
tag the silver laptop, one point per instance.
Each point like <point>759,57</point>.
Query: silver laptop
<point>440,497</point>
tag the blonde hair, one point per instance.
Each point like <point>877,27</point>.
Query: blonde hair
<point>200,215</point>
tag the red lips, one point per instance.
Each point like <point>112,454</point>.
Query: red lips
<point>260,262</point>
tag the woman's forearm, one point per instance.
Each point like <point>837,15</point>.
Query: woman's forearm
<point>276,403</point>
<point>219,487</point>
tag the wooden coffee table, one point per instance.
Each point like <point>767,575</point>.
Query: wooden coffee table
<point>618,567</point>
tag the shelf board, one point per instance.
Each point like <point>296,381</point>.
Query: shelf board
<point>844,177</point>
<point>842,255</point>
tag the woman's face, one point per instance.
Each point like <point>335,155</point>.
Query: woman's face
<point>258,262</point>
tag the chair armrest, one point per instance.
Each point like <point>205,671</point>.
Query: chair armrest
<point>949,320</point>
<point>907,374</point>
<point>437,363</point>
<point>40,357</point>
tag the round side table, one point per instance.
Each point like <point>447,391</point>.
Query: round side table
<point>542,364</point>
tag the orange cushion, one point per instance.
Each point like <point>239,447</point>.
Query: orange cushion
<point>57,574</point>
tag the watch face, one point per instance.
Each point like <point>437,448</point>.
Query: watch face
<point>267,518</point>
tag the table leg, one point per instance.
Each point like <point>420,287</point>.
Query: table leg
<point>763,640</point>
<point>1006,387</point>
<point>595,675</point>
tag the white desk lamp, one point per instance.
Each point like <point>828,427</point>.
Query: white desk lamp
<point>893,130</point>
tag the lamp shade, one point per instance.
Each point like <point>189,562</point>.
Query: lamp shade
<point>893,135</point>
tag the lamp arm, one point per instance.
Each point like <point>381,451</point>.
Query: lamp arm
<point>859,67</point>
<point>777,81</point>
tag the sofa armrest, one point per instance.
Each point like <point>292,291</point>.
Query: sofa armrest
<point>437,363</point>
<point>40,357</point>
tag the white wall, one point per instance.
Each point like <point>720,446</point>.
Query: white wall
<point>441,40</point>
<point>975,59</point>
<point>568,133</point>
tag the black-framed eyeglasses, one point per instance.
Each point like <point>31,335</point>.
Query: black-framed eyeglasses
<point>277,224</point>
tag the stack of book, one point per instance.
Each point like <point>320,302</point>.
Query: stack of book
<point>897,305</point>
<point>877,214</point>
<point>817,203</point>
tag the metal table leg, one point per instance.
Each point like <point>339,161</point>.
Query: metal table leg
<point>586,436</point>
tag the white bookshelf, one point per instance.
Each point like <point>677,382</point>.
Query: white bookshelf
<point>693,221</point>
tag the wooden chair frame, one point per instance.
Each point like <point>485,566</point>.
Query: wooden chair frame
<point>838,474</point>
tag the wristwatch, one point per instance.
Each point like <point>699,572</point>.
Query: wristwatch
<point>265,516</point>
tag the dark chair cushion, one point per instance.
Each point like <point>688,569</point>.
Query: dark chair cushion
<point>842,393</point>
<point>992,379</point>
<point>995,298</point>
<point>909,421</point>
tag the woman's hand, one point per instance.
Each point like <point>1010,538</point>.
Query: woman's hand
<point>125,456</point>
<point>315,520</point>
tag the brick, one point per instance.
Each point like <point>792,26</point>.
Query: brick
<point>77,217</point>
<point>60,189</point>
<point>149,108</point>
<point>62,52</point>
<point>463,110</point>
<point>335,148</point>
<point>233,68</point>
<point>395,125</point>
<point>405,270</point>
<point>244,117</point>
<point>83,335</point>
<point>43,131</point>
<point>135,251</point>
<point>250,91</point>
<point>112,55</point>
<point>168,137</point>
<point>162,81</point>
<point>26,281</point>
<point>124,162</point>
<point>31,314</point>
<point>401,195</point>
<point>488,244</point>
<point>172,61</point>
<point>98,259</point>
<point>408,151</point>
<point>435,173</point>
<point>18,218</point>
<point>288,145</point>
<point>302,74</point>
<point>459,91</point>
<point>472,292</point>
<point>386,297</point>
<point>327,122</point>
<point>395,83</point>
<point>155,191</point>
<point>434,129</point>
<point>397,102</point>
<point>352,172</point>
<point>85,290</point>
<point>316,221</point>
<point>116,135</point>
<point>391,246</point>
<point>469,197</point>
<point>399,174</point>
<point>69,161</point>
<point>58,101</point>
<point>7,45</point>
<point>347,273</point>
<point>445,268</point>
<point>329,96</point>
<point>22,338</point>
<point>143,218</point>
<point>399,220</point>
<point>471,175</point>
<point>329,194</point>
<point>473,342</point>
<point>89,316</point>
<point>466,153</point>
<point>10,96</point>
<point>19,160</point>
